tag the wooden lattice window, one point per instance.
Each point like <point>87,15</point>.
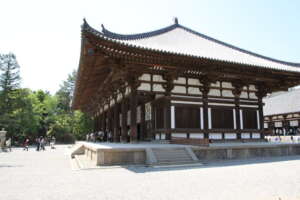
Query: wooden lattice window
<point>250,119</point>
<point>222,118</point>
<point>187,117</point>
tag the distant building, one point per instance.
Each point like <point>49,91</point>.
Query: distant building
<point>175,84</point>
<point>282,113</point>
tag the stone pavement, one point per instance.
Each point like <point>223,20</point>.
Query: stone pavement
<point>47,175</point>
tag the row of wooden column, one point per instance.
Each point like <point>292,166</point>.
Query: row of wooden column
<point>109,120</point>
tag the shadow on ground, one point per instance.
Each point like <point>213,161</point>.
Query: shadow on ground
<point>211,164</point>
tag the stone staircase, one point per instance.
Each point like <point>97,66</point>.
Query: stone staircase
<point>174,156</point>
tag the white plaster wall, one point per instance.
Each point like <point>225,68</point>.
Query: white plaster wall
<point>278,124</point>
<point>201,118</point>
<point>245,135</point>
<point>266,125</point>
<point>252,95</point>
<point>227,85</point>
<point>221,104</point>
<point>194,81</point>
<point>294,123</point>
<point>194,90</point>
<point>241,119</point>
<point>209,118</point>
<point>180,80</point>
<point>216,84</point>
<point>157,137</point>
<point>230,136</point>
<point>255,135</point>
<point>172,117</point>
<point>252,87</point>
<point>145,87</point>
<point>258,120</point>
<point>196,135</point>
<point>227,93</point>
<point>249,106</point>
<point>214,92</point>
<point>163,136</point>
<point>179,135</point>
<point>215,136</point>
<point>244,95</point>
<point>158,88</point>
<point>187,102</point>
<point>234,118</point>
<point>179,89</point>
<point>158,78</point>
<point>145,77</point>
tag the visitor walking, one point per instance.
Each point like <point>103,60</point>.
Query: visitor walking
<point>52,142</point>
<point>8,144</point>
<point>26,144</point>
<point>38,143</point>
<point>42,143</point>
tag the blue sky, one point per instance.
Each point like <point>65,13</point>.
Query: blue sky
<point>45,35</point>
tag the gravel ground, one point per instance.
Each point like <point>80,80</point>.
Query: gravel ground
<point>48,175</point>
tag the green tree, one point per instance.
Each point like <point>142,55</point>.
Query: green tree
<point>65,93</point>
<point>9,80</point>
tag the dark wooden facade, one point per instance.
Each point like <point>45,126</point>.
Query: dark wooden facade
<point>142,94</point>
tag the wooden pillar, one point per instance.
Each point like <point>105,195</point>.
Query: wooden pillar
<point>151,133</point>
<point>133,113</point>
<point>108,126</point>
<point>205,90</point>
<point>261,117</point>
<point>168,86</point>
<point>167,117</point>
<point>124,130</point>
<point>143,130</point>
<point>238,87</point>
<point>116,122</point>
<point>262,91</point>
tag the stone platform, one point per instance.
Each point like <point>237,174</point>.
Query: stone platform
<point>108,154</point>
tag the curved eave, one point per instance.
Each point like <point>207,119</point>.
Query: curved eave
<point>122,44</point>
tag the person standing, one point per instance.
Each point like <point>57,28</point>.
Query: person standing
<point>8,144</point>
<point>42,143</point>
<point>52,143</point>
<point>26,144</point>
<point>37,140</point>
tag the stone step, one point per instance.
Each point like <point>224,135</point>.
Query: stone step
<point>172,156</point>
<point>174,163</point>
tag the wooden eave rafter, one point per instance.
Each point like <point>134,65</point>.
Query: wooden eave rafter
<point>91,69</point>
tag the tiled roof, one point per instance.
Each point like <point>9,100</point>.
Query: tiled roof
<point>287,102</point>
<point>181,40</point>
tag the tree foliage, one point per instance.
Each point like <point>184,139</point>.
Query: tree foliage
<point>27,113</point>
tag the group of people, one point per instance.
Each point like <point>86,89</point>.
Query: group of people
<point>93,137</point>
<point>102,136</point>
<point>39,141</point>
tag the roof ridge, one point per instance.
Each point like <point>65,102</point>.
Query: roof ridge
<point>137,36</point>
<point>237,48</point>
